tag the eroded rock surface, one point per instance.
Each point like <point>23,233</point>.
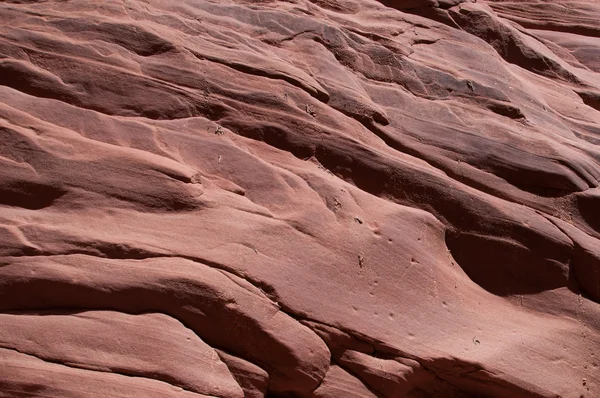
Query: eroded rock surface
<point>252,198</point>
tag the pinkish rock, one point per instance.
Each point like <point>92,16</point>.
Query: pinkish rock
<point>300,198</point>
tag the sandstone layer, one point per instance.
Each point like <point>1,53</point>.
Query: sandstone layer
<point>299,198</point>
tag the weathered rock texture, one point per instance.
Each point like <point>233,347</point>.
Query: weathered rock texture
<point>301,198</point>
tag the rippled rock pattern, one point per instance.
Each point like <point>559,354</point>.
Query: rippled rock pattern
<point>299,198</point>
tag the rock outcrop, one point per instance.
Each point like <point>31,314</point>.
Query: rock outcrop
<point>299,198</point>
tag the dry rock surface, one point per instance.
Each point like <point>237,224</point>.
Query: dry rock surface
<point>300,198</point>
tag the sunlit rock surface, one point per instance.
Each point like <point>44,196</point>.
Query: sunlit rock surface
<point>321,198</point>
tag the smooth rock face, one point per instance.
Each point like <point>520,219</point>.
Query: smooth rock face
<point>252,198</point>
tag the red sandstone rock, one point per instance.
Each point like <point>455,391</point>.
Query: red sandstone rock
<point>153,346</point>
<point>319,198</point>
<point>25,375</point>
